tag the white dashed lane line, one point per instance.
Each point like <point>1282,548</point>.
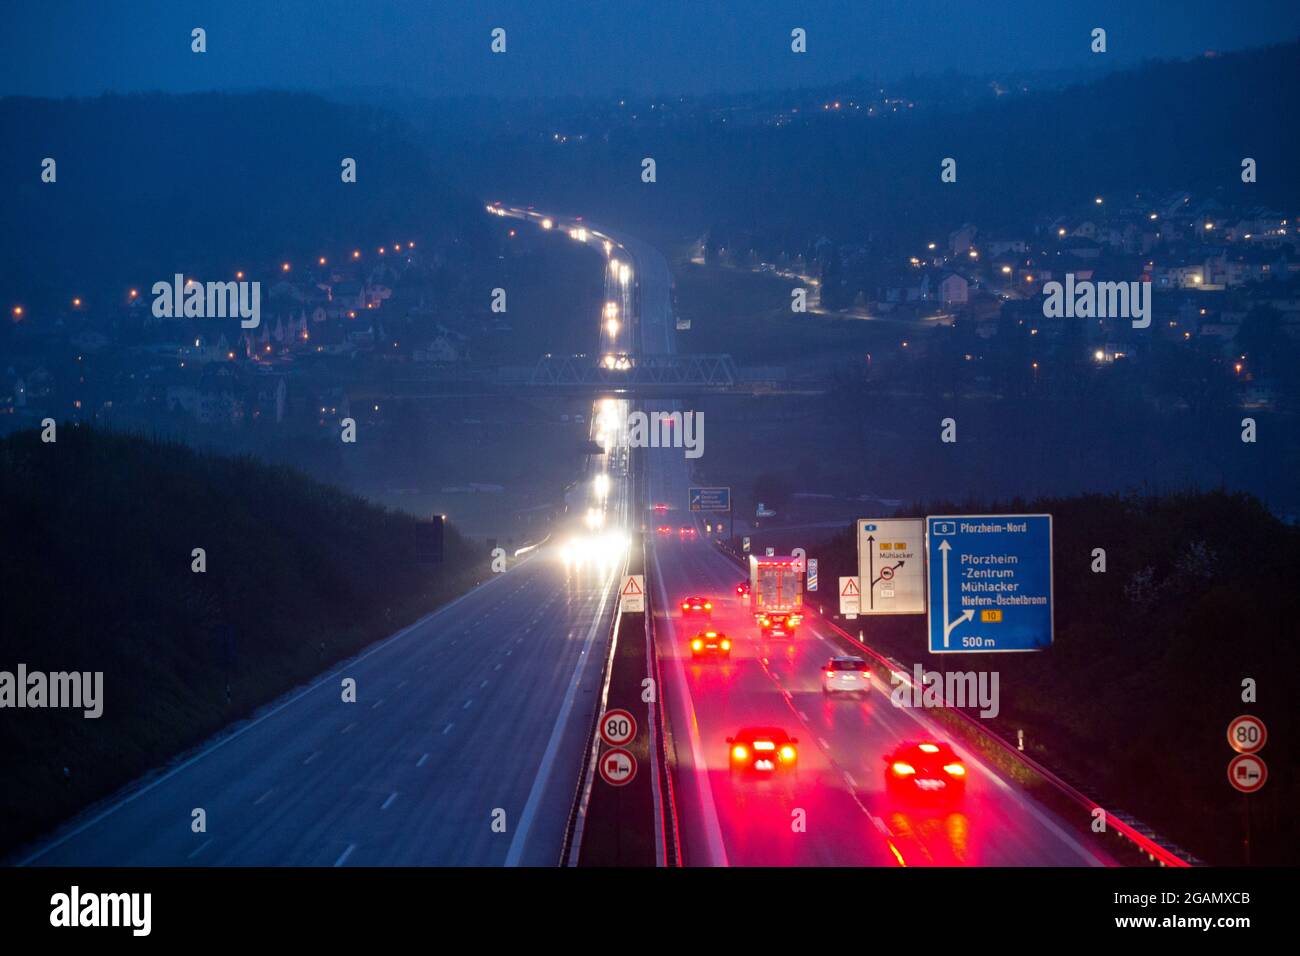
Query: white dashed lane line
<point>343,857</point>
<point>389,802</point>
<point>421,761</point>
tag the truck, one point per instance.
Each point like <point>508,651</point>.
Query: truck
<point>776,593</point>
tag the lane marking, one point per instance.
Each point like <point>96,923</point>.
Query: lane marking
<point>467,703</point>
<point>540,782</point>
<point>446,730</point>
<point>389,802</point>
<point>310,757</point>
<point>199,849</point>
<point>1024,800</point>
<point>348,727</point>
<point>343,857</point>
<point>717,852</point>
<point>421,761</point>
<point>263,796</point>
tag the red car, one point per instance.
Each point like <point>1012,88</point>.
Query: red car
<point>664,529</point>
<point>777,625</point>
<point>927,768</point>
<point>698,606</point>
<point>762,750</point>
<point>686,532</point>
<point>710,644</point>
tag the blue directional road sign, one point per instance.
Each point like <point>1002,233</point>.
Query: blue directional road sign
<point>709,499</point>
<point>989,583</point>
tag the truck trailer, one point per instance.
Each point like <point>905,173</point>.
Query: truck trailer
<point>776,592</point>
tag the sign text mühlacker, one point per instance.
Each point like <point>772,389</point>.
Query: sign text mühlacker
<point>989,582</point>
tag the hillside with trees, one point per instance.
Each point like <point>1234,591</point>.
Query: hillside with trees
<point>298,575</point>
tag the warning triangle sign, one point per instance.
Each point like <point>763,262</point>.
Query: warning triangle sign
<point>631,587</point>
<point>850,588</point>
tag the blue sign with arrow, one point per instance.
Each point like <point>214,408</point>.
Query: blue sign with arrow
<point>989,583</point>
<point>709,499</point>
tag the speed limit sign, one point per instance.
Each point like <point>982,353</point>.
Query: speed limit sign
<point>617,728</point>
<point>1247,734</point>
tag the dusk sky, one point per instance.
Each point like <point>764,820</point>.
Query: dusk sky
<point>62,48</point>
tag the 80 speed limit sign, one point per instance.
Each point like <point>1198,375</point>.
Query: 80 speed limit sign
<point>1247,734</point>
<point>617,728</point>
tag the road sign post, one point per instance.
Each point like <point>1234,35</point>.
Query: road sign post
<point>1247,772</point>
<point>1247,734</point>
<point>617,767</point>
<point>709,499</point>
<point>989,583</point>
<point>811,583</point>
<point>617,727</point>
<point>632,593</point>
<point>891,565</point>
<point>850,597</point>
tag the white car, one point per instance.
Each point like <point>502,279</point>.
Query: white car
<point>846,675</point>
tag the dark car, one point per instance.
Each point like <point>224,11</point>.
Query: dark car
<point>762,750</point>
<point>927,768</point>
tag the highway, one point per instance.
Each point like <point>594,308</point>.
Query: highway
<point>481,706</point>
<point>848,818</point>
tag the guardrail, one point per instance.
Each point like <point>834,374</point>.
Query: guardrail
<point>671,831</point>
<point>1126,827</point>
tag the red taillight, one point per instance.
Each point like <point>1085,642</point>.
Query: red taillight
<point>902,769</point>
<point>955,769</point>
<point>686,605</point>
<point>928,748</point>
<point>739,753</point>
<point>697,644</point>
<point>708,605</point>
<point>830,673</point>
<point>726,645</point>
<point>787,753</point>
